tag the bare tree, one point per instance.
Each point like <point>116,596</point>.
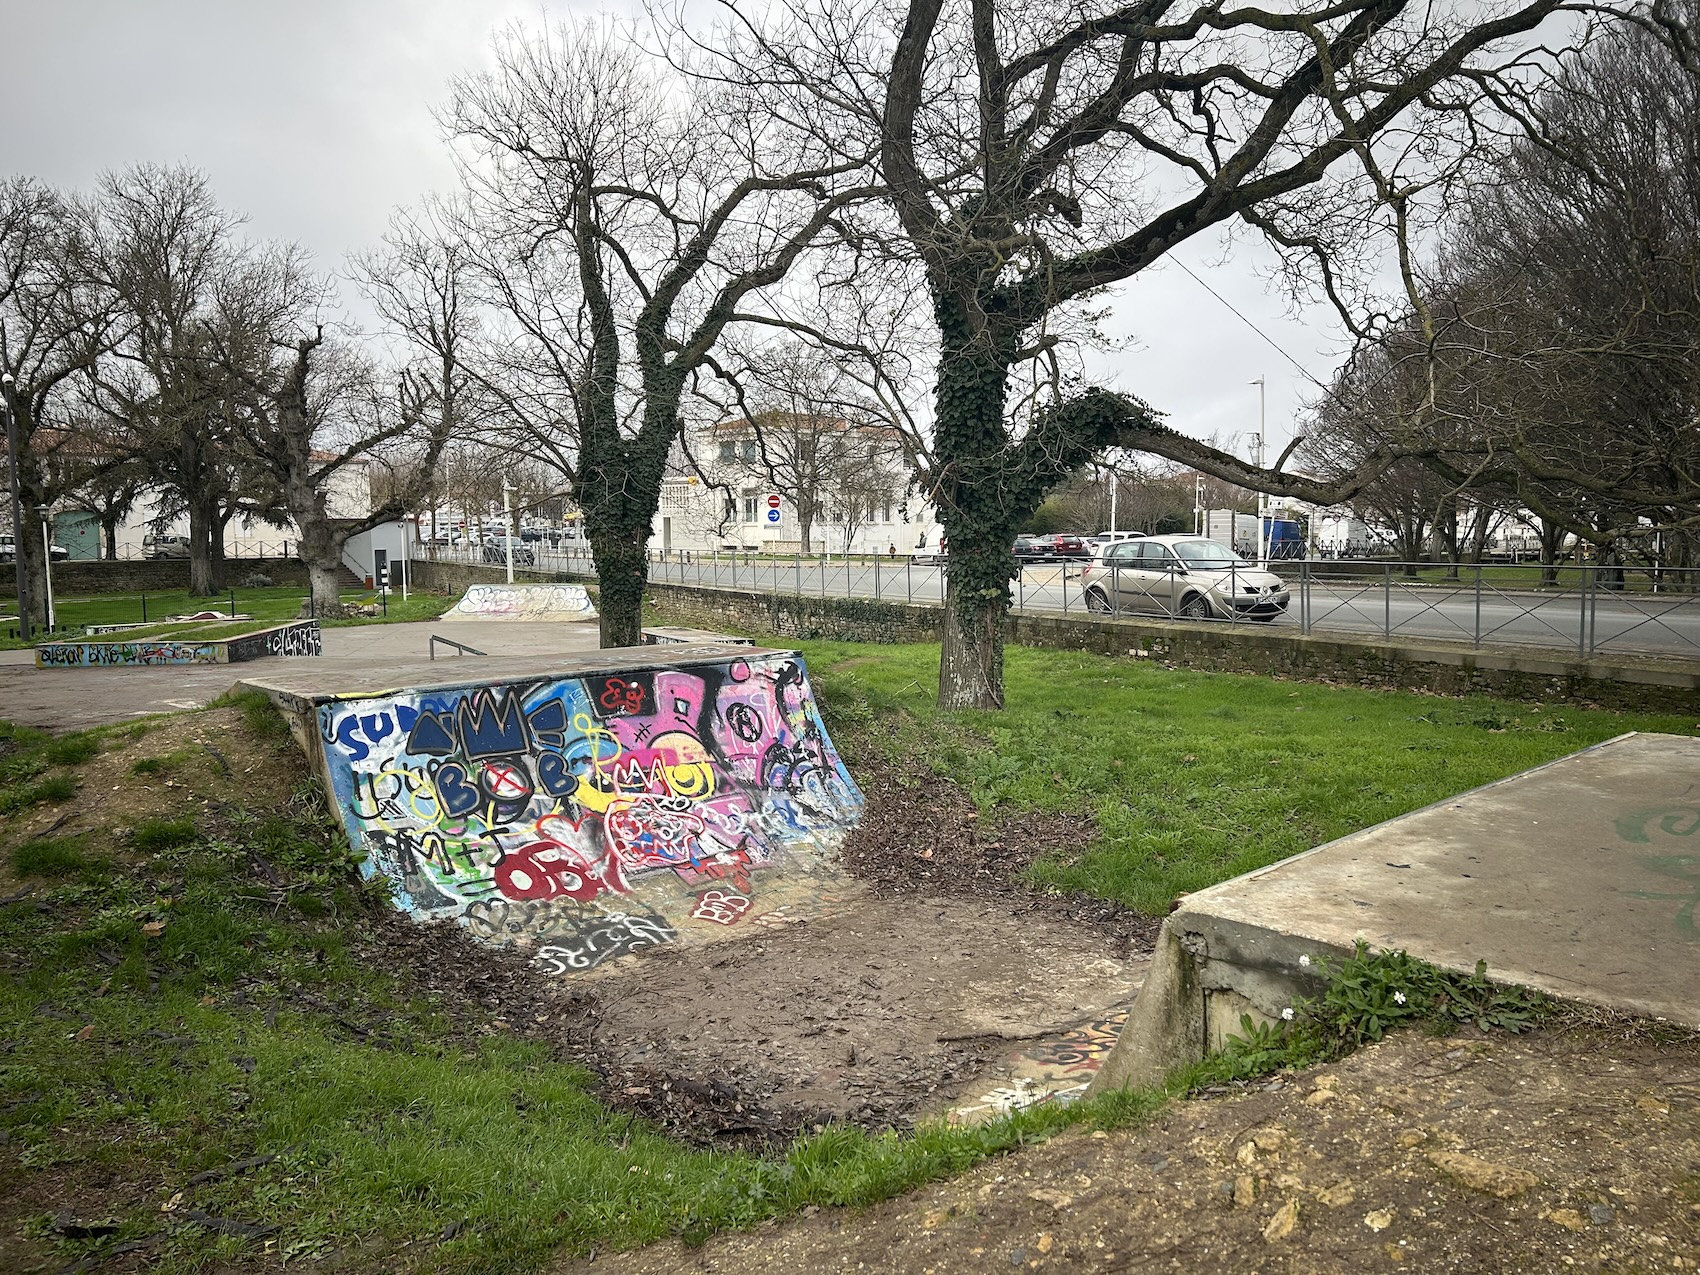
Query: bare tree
<point>56,323</point>
<point>623,216</point>
<point>1036,156</point>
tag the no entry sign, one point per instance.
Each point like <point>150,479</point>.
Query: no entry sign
<point>773,501</point>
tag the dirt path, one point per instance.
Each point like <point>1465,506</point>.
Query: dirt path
<point>1552,1152</point>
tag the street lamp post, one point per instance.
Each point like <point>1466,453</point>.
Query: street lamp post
<point>7,388</point>
<point>47,559</point>
<point>508,524</point>
<point>1262,496</point>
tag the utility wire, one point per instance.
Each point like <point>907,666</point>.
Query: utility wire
<point>1270,341</point>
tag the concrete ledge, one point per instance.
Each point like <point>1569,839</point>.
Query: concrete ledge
<point>299,637</point>
<point>1575,878</point>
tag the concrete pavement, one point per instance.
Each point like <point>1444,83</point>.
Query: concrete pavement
<point>384,654</point>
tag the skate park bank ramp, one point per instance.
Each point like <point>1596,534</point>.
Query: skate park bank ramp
<point>301,637</point>
<point>621,800</point>
<point>1579,878</point>
<point>523,602</point>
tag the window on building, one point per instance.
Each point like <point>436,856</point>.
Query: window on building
<point>749,448</point>
<point>885,512</point>
<point>728,450</point>
<point>750,506</point>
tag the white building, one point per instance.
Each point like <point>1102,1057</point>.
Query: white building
<point>743,494</point>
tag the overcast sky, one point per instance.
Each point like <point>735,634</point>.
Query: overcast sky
<point>313,117</point>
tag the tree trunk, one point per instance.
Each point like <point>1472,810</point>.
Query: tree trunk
<point>323,582</point>
<point>971,659</point>
<point>30,559</point>
<point>979,518</point>
<point>200,552</point>
<point>216,559</point>
<point>109,530</point>
<point>622,571</point>
<point>805,524</point>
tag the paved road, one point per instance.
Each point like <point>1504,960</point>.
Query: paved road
<point>1631,625</point>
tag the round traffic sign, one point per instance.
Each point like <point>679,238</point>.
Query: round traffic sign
<point>773,501</point>
<point>773,515</point>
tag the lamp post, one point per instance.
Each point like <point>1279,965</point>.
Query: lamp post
<point>508,524</point>
<point>47,559</point>
<point>1262,496</point>
<point>7,387</point>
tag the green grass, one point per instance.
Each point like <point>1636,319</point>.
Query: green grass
<point>268,607</point>
<point>152,836</point>
<point>56,858</point>
<point>1192,777</point>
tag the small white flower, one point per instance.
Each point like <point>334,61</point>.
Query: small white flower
<point>1304,961</point>
<point>1398,998</point>
<point>1287,1013</point>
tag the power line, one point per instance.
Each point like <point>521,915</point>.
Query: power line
<point>1269,340</point>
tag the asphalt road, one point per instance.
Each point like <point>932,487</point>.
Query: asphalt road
<point>1635,624</point>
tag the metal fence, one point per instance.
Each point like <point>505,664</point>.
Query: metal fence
<point>1582,610</point>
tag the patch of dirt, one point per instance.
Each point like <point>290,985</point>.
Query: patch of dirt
<point>885,1010</point>
<point>1555,1151</point>
<point>929,838</point>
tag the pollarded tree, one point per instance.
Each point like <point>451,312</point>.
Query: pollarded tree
<point>622,215</point>
<point>1037,155</point>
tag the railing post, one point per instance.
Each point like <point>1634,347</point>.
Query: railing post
<point>909,578</point>
<point>1116,590</point>
<point>1476,641</point>
<point>1387,602</point>
<point>876,580</point>
<point>1582,617</point>
<point>1304,595</point>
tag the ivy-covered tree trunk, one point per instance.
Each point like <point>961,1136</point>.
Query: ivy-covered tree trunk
<point>979,506</point>
<point>622,571</point>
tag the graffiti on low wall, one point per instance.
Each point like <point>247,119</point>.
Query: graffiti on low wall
<point>115,654</point>
<point>300,638</point>
<point>522,602</point>
<point>592,816</point>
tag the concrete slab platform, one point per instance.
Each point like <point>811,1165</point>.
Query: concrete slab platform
<point>1580,878</point>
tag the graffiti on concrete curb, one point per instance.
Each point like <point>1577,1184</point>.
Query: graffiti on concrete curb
<point>593,815</point>
<point>301,638</point>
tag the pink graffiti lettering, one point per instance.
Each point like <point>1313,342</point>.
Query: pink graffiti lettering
<point>649,834</point>
<point>548,870</point>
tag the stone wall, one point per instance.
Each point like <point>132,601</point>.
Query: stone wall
<point>1447,669</point>
<point>79,578</point>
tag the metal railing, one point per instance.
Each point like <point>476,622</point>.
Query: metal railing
<point>1580,610</point>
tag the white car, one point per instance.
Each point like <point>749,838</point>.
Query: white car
<point>1185,576</point>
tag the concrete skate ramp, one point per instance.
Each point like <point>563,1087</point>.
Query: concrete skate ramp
<point>628,799</point>
<point>523,602</point>
<point>1580,878</point>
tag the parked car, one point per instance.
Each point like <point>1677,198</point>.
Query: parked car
<point>1106,538</point>
<point>496,550</point>
<point>1185,576</point>
<point>1026,548</point>
<point>1061,544</point>
<point>158,547</point>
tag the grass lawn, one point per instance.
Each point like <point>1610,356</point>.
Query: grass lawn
<point>192,985</point>
<point>1192,777</point>
<point>267,606</point>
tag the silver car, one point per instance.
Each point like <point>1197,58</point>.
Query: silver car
<point>1184,576</point>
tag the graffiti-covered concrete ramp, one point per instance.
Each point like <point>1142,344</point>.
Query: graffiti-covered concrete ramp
<point>623,800</point>
<point>523,602</point>
<point>1580,878</point>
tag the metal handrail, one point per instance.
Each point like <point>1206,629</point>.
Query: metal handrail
<point>461,648</point>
